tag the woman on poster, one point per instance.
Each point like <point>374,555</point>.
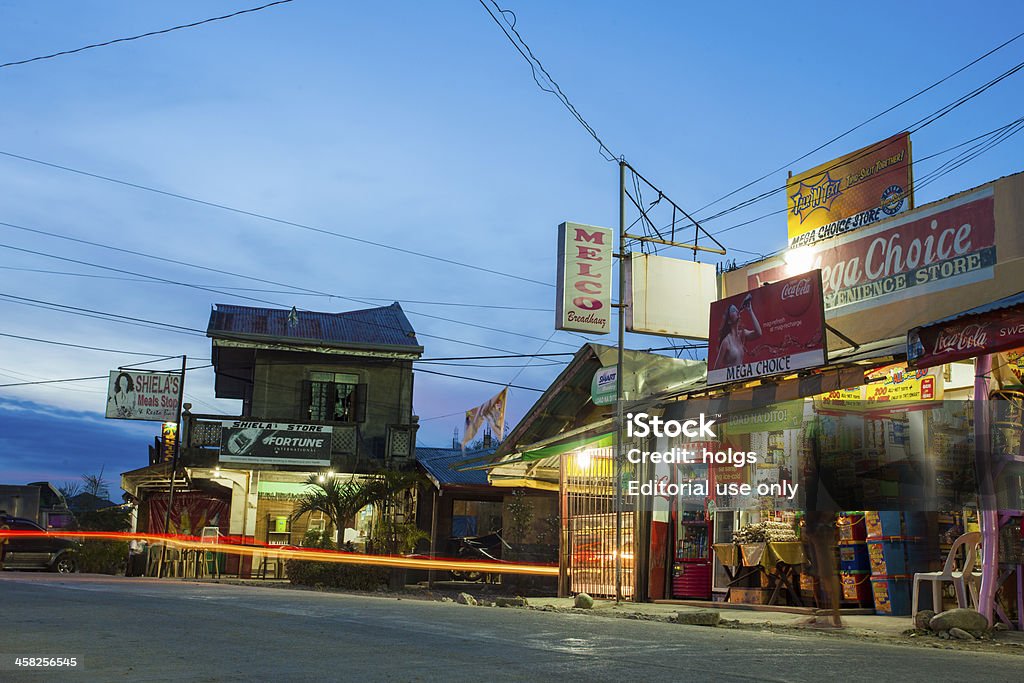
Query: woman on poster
<point>121,401</point>
<point>733,337</point>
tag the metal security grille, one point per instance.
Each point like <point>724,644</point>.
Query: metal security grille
<point>344,439</point>
<point>590,504</point>
<point>205,433</point>
<point>399,447</point>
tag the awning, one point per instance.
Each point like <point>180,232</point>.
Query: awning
<point>593,434</point>
<point>996,326</point>
<point>845,370</point>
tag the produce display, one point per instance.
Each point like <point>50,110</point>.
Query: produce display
<point>763,532</point>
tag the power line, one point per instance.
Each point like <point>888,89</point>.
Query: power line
<point>913,128</point>
<point>918,183</point>
<point>864,123</point>
<point>81,379</point>
<point>476,379</point>
<point>293,292</point>
<point>536,64</point>
<point>272,219</point>
<point>243,296</point>
<point>144,35</point>
<point>92,313</point>
<point>82,346</point>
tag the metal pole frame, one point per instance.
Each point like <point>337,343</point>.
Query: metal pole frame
<point>619,408</point>
<point>174,469</point>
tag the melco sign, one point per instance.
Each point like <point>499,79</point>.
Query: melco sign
<point>583,298</point>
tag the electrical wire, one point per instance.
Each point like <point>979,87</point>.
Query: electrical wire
<point>144,35</point>
<point>82,346</point>
<point>477,379</point>
<point>918,183</point>
<point>864,123</point>
<point>84,379</point>
<point>272,219</point>
<point>536,64</point>
<point>100,315</point>
<point>246,297</point>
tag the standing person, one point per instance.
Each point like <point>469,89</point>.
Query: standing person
<point>733,337</point>
<point>122,400</point>
<point>4,526</point>
<point>820,533</point>
<point>136,557</point>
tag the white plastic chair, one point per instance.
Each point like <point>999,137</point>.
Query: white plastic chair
<point>962,580</point>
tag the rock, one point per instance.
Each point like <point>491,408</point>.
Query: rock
<point>583,601</point>
<point>965,619</point>
<point>960,634</point>
<point>466,599</point>
<point>944,635</point>
<point>1000,627</point>
<point>517,601</point>
<point>701,618</point>
<point>446,599</point>
<point>922,618</point>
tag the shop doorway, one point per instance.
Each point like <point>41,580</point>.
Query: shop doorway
<point>590,504</point>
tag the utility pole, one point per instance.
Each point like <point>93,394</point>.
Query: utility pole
<point>619,412</point>
<point>620,421</point>
<point>174,469</point>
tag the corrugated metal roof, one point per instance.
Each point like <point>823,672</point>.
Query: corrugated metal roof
<point>997,305</point>
<point>385,326</point>
<point>438,464</point>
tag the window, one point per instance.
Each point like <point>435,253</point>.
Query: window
<point>335,397</point>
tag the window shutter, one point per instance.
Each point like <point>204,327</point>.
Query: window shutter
<point>329,402</point>
<point>304,399</point>
<point>360,407</point>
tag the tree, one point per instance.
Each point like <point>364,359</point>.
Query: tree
<point>339,500</point>
<point>385,491</point>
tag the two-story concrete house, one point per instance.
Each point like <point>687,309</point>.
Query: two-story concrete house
<point>320,393</point>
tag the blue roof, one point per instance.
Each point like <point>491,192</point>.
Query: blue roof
<point>997,305</point>
<point>372,327</point>
<point>438,463</point>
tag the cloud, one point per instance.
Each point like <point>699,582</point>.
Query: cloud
<point>39,442</point>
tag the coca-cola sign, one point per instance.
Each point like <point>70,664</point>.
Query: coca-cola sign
<point>950,245</point>
<point>797,288</point>
<point>968,337</point>
<point>771,330</point>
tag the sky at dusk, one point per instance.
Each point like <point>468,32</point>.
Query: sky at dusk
<point>420,126</point>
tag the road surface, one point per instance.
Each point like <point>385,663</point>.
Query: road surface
<point>138,629</point>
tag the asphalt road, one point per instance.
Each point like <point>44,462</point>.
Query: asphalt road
<point>148,630</point>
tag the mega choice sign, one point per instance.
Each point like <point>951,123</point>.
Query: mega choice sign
<point>273,443</point>
<point>770,330</point>
<point>143,395</point>
<point>950,245</point>
<point>850,192</point>
<point>583,299</point>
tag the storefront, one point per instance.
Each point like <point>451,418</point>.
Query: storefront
<point>565,444</point>
<point>902,460</point>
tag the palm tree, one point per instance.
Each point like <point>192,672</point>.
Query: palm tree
<point>337,499</point>
<point>384,489</point>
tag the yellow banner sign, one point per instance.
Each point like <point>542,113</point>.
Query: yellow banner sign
<point>890,387</point>
<point>850,192</point>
